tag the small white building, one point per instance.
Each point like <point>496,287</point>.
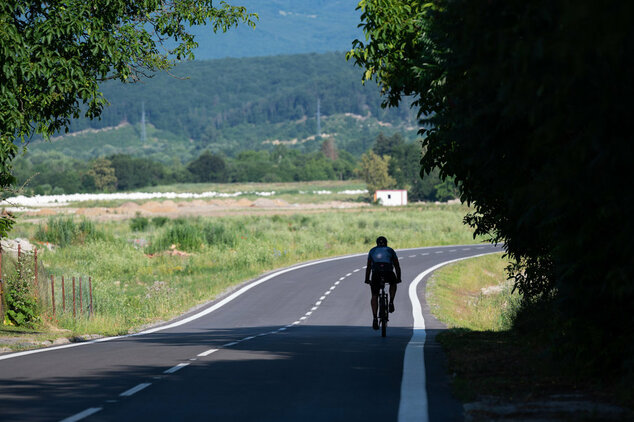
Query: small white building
<point>391,197</point>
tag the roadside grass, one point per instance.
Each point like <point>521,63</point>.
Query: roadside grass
<point>473,294</point>
<point>489,357</point>
<point>20,338</point>
<point>161,270</point>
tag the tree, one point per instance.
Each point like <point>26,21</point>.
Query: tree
<point>329,149</point>
<point>387,145</point>
<point>55,54</point>
<point>103,175</point>
<point>373,170</point>
<point>526,104</point>
<point>208,168</point>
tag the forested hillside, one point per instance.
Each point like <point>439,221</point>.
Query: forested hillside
<point>233,104</point>
<point>233,120</point>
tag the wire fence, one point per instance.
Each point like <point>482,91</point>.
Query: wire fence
<point>56,296</point>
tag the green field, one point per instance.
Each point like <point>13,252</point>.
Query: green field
<point>138,285</point>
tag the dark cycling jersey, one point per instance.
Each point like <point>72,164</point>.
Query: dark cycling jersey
<point>382,258</point>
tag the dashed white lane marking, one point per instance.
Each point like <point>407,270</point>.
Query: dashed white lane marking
<point>318,303</point>
<point>248,338</point>
<point>303,318</point>
<point>332,287</point>
<point>413,404</point>
<point>438,251</point>
<point>466,249</point>
<point>83,414</point>
<point>337,283</point>
<point>341,278</point>
<point>309,313</point>
<point>423,254</point>
<point>233,343</point>
<point>357,270</point>
<point>208,352</point>
<point>175,368</point>
<point>322,298</point>
<point>327,293</point>
<point>348,275</point>
<point>480,247</point>
<point>314,308</point>
<point>135,390</point>
<point>364,267</point>
<point>453,250</point>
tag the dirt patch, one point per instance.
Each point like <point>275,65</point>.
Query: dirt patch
<point>198,207</point>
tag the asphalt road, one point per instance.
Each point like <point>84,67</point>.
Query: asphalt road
<point>296,345</point>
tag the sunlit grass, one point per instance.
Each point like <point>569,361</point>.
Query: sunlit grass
<point>136,280</point>
<point>473,294</point>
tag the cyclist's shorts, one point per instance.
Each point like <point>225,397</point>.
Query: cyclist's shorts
<point>375,283</point>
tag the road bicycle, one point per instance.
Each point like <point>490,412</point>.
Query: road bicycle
<point>383,309</point>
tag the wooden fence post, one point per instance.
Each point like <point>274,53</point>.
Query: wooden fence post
<point>53,293</point>
<point>90,288</point>
<point>63,296</point>
<point>35,269</point>
<point>74,312</point>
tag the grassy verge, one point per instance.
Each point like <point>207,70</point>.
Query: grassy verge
<point>492,361</point>
<point>138,279</point>
<point>473,294</point>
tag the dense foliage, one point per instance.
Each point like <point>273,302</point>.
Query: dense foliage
<point>22,308</point>
<point>230,105</point>
<point>528,104</point>
<point>55,54</point>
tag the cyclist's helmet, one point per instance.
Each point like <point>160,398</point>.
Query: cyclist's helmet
<point>381,241</point>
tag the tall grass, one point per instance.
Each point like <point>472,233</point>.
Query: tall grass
<point>63,231</point>
<point>474,294</point>
<point>135,285</point>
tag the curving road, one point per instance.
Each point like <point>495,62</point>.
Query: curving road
<point>295,345</point>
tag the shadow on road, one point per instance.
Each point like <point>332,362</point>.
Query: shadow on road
<point>307,372</point>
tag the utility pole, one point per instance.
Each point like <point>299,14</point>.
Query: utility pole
<point>318,117</point>
<point>143,132</point>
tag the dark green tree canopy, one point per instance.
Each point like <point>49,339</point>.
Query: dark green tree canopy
<point>208,167</point>
<point>54,55</point>
<point>528,106</point>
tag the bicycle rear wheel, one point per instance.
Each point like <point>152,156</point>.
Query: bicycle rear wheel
<point>383,314</point>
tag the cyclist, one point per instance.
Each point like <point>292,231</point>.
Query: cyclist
<point>382,260</point>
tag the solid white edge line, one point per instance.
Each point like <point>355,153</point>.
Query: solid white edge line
<point>83,414</point>
<point>207,310</point>
<point>135,389</point>
<point>188,319</point>
<point>413,404</point>
<point>175,368</point>
<point>207,352</point>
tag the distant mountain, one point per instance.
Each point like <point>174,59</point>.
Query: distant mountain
<point>285,27</point>
<point>229,105</point>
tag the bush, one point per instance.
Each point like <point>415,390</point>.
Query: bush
<point>63,231</point>
<point>216,234</point>
<point>159,221</point>
<point>21,301</point>
<point>139,223</point>
<point>184,236</point>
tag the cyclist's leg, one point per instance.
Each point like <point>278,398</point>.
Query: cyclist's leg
<point>374,302</point>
